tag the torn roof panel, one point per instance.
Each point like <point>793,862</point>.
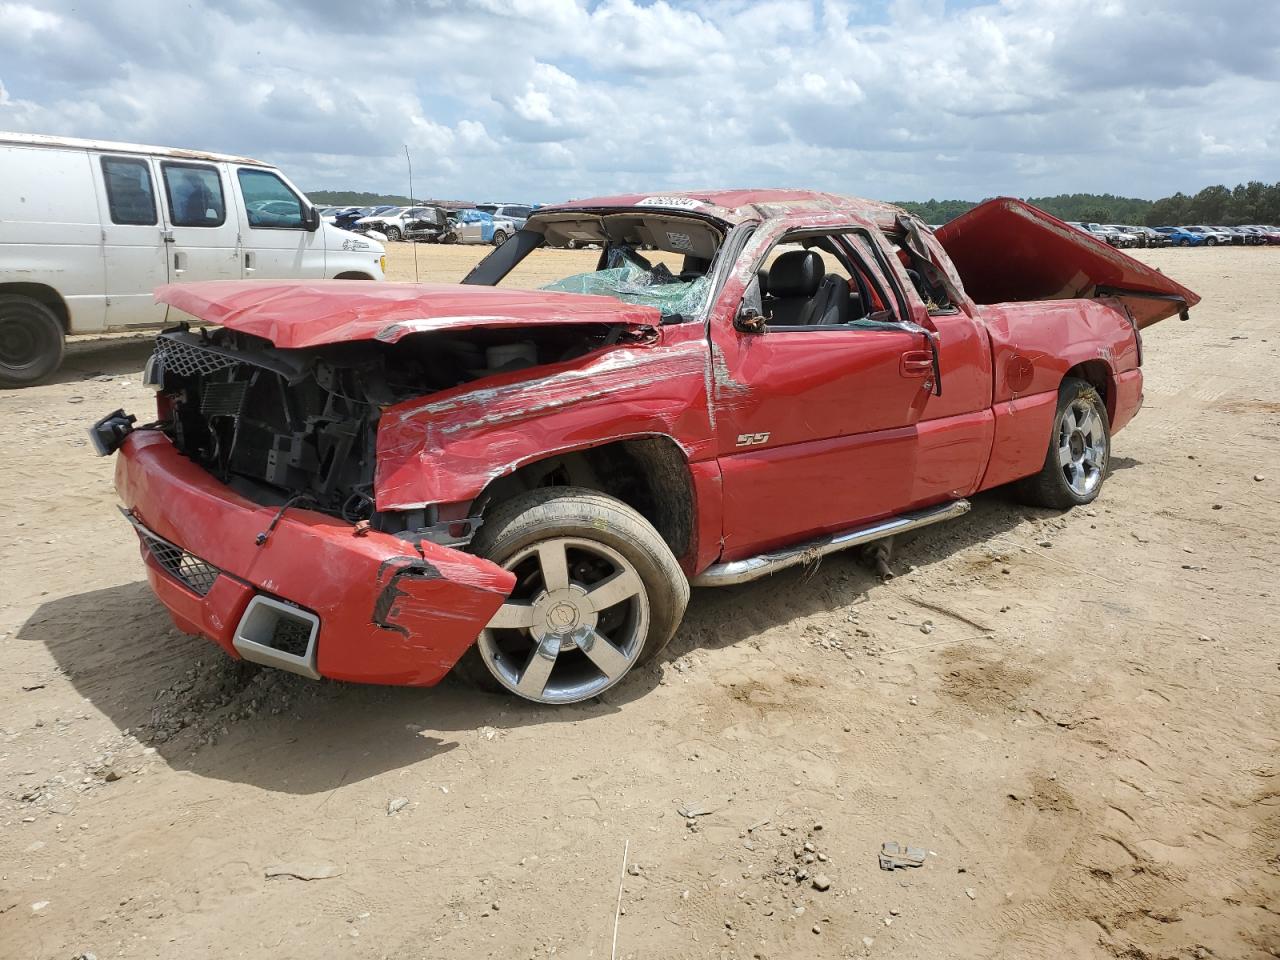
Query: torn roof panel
<point>737,206</point>
<point>1006,250</point>
<point>309,313</point>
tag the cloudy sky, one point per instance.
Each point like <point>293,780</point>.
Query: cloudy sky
<point>547,99</point>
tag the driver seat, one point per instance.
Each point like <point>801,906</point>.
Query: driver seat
<point>801,294</point>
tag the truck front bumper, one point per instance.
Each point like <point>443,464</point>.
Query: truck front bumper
<point>317,596</point>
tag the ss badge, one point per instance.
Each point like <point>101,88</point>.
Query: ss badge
<point>752,439</point>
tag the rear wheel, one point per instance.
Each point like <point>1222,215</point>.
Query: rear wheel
<point>499,238</point>
<point>393,233</point>
<point>597,592</point>
<point>1079,449</point>
<point>31,341</point>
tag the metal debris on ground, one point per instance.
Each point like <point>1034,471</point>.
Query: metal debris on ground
<point>693,810</point>
<point>306,870</point>
<point>894,857</point>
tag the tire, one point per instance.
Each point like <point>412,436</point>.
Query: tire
<point>393,233</point>
<point>1075,465</point>
<point>31,341</point>
<point>1211,242</point>
<point>499,238</point>
<point>602,544</point>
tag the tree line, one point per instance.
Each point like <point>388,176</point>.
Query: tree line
<point>352,198</point>
<point>1252,202</point>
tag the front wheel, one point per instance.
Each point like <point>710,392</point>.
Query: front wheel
<point>31,341</point>
<point>1079,450</point>
<point>597,591</point>
<point>1212,242</point>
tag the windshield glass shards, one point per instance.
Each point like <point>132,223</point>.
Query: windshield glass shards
<point>631,278</point>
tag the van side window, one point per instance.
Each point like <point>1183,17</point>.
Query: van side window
<point>130,195</point>
<point>195,195</point>
<point>268,201</point>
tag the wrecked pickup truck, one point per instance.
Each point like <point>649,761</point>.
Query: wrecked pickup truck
<point>381,481</point>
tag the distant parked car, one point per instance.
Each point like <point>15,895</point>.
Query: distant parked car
<point>1245,236</point>
<point>1130,236</point>
<point>1212,235</point>
<point>1181,237</point>
<point>345,219</point>
<point>1116,238</point>
<point>476,226</point>
<point>1150,237</point>
<point>1268,234</point>
<point>428,225</point>
<point>516,212</point>
<point>391,222</point>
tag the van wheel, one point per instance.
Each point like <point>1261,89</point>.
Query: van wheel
<point>31,341</point>
<point>1079,450</point>
<point>597,592</point>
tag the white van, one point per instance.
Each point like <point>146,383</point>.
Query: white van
<point>89,228</point>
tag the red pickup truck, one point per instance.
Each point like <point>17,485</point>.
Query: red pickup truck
<point>380,481</point>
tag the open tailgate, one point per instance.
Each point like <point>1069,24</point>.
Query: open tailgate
<point>1006,250</point>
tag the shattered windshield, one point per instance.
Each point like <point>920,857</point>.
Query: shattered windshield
<point>631,278</point>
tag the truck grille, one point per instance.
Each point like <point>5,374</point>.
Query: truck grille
<point>186,359</point>
<point>185,567</point>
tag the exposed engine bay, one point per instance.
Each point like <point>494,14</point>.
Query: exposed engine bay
<point>299,427</point>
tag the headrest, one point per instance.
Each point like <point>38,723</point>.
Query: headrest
<point>797,273</point>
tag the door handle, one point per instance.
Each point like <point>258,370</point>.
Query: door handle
<point>248,262</point>
<point>917,363</point>
<point>178,260</point>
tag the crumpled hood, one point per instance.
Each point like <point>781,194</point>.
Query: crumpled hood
<point>309,313</point>
<point>1006,250</point>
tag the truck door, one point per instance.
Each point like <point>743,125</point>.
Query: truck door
<point>275,242</point>
<point>203,237</point>
<point>956,427</point>
<point>815,417</point>
<point>132,241</point>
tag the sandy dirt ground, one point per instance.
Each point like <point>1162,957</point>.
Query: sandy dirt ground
<point>1087,743</point>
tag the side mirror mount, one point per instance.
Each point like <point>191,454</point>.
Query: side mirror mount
<point>750,316</point>
<point>310,219</point>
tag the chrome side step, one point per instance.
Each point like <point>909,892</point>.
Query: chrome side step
<point>740,571</point>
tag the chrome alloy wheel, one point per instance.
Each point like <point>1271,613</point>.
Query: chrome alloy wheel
<point>1082,447</point>
<point>574,624</point>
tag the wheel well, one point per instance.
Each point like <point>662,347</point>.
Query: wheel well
<point>1098,375</point>
<point>649,474</point>
<point>44,294</point>
<point>349,275</point>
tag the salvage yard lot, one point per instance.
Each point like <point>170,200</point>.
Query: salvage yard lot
<point>1077,714</point>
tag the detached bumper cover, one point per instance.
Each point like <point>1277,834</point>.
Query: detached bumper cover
<point>388,613</point>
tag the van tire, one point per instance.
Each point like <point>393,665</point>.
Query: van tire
<point>31,341</point>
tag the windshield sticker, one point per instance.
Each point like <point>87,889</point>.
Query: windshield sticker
<point>680,241</point>
<point>680,203</point>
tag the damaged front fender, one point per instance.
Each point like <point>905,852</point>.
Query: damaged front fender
<point>447,448</point>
